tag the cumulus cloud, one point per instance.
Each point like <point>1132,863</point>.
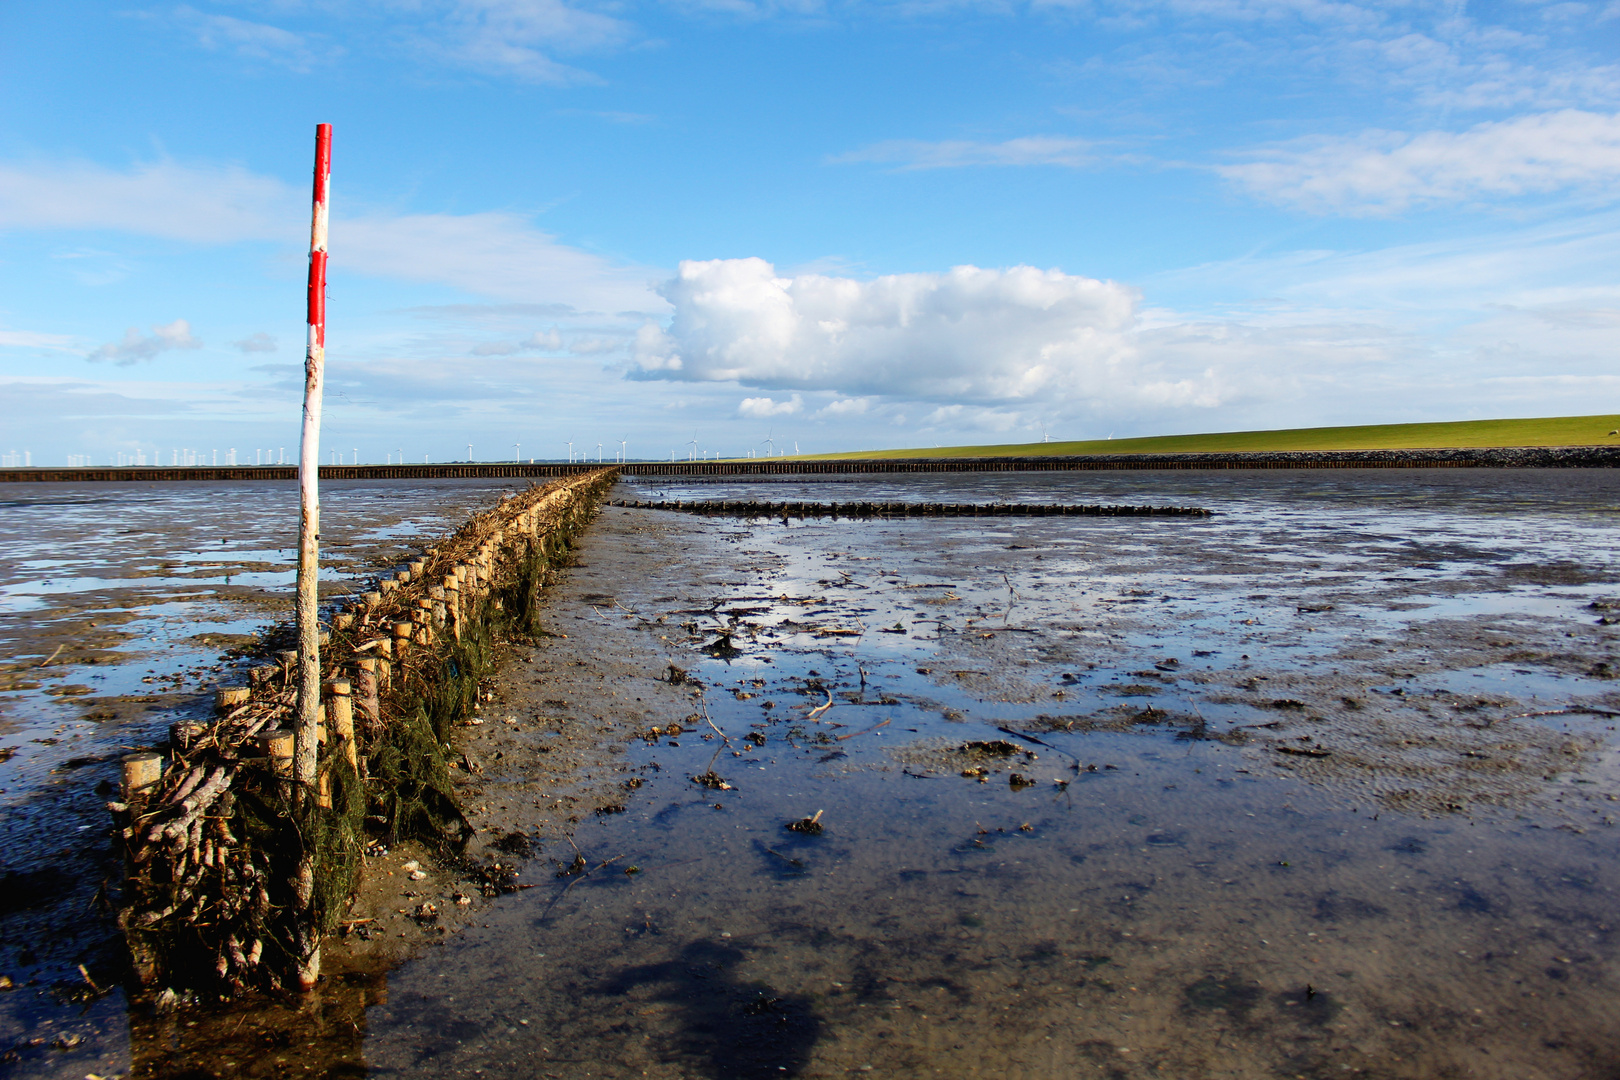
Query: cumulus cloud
<point>910,154</point>
<point>760,408</point>
<point>1384,172</point>
<point>845,407</point>
<point>967,334</point>
<point>256,343</point>
<point>136,346</point>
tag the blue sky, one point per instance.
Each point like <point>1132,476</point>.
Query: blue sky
<point>839,225</point>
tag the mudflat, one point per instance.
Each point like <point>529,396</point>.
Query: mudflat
<point>1308,790</point>
<point>1323,785</point>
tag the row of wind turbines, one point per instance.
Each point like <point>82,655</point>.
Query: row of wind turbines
<point>695,452</point>
<point>698,453</point>
<point>619,458</point>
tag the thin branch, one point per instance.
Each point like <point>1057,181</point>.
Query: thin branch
<point>1575,710</point>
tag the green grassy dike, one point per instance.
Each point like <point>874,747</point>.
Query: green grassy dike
<point>1541,431</point>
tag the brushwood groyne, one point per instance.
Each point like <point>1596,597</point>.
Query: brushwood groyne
<point>1530,457</point>
<point>235,872</point>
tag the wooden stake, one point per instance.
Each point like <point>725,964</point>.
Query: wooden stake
<point>306,747</point>
<point>278,751</point>
<point>309,525</point>
<point>340,711</point>
<point>366,698</point>
<point>452,604</point>
<point>141,771</point>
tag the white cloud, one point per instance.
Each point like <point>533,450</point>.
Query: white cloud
<point>761,408</point>
<point>509,39</point>
<point>493,254</point>
<point>199,203</point>
<point>32,339</point>
<point>1383,172</point>
<point>256,343</point>
<point>595,346</point>
<point>845,407</point>
<point>546,341</point>
<point>135,346</point>
<point>966,335</point>
<point>512,37</point>
<point>256,41</point>
<point>911,154</point>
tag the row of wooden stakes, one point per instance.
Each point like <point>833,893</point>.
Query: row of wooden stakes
<point>907,509</point>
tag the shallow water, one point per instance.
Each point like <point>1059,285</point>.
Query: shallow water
<point>1275,819</point>
<point>1284,814</point>
<point>141,585</point>
<point>121,606</point>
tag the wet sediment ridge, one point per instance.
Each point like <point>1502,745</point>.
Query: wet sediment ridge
<point>1022,800</point>
<point>752,508</point>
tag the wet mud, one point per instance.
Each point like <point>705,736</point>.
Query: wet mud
<point>1224,799</point>
<point>1323,785</point>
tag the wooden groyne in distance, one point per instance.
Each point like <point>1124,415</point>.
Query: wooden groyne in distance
<point>213,830</point>
<point>1527,457</point>
<point>744,508</point>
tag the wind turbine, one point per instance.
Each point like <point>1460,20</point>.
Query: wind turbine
<point>599,453</point>
<point>469,452</point>
<point>1045,438</point>
<point>768,444</point>
<point>570,451</point>
<point>624,453</point>
<point>517,448</point>
<point>693,456</point>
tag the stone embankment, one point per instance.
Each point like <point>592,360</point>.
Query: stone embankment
<point>216,836</point>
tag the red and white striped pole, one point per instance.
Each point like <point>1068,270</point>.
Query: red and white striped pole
<point>305,744</point>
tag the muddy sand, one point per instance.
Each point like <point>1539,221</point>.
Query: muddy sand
<point>1330,795</point>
